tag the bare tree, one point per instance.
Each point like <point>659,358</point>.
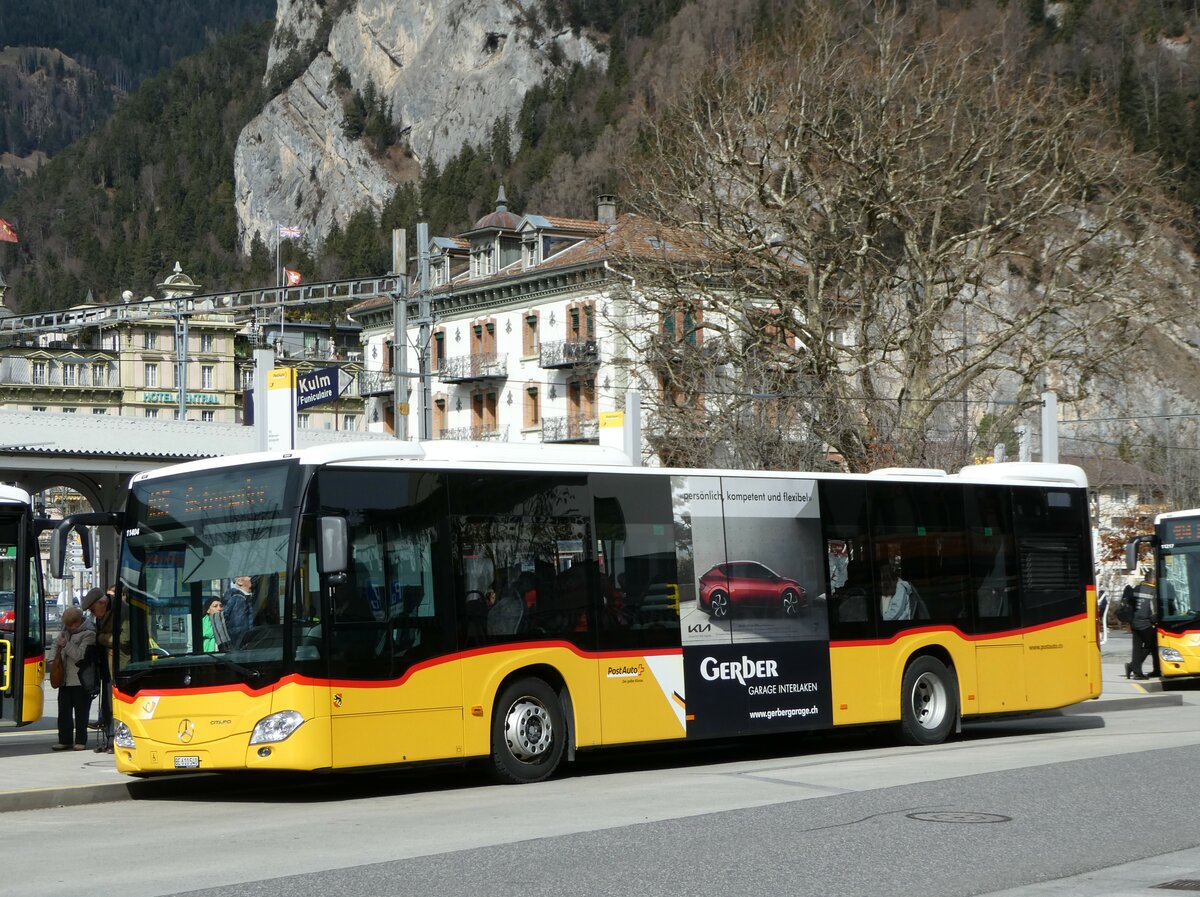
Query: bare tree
<point>871,230</point>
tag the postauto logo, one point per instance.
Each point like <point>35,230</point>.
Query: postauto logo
<point>741,670</point>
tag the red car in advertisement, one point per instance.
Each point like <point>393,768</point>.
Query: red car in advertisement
<point>740,585</point>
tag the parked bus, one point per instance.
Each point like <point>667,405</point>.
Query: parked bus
<point>377,604</point>
<point>22,611</point>
<point>1176,572</point>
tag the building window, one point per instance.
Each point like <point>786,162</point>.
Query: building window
<point>67,410</point>
<point>529,335</point>
<point>208,342</point>
<point>151,378</point>
<point>247,379</point>
<point>302,421</point>
<point>99,411</point>
<point>533,407</point>
<point>98,373</point>
<point>151,412</point>
<point>439,416</point>
<point>208,416</point>
<point>38,408</point>
<point>581,322</point>
<point>150,340</point>
<point>68,374</point>
<point>439,349</point>
<point>206,376</point>
<point>39,373</point>
<point>349,422</point>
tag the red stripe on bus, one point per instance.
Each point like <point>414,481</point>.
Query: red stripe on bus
<point>983,637</point>
<point>299,679</point>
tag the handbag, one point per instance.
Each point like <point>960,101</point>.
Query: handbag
<point>56,670</point>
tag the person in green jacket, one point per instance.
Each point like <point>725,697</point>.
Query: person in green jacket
<point>212,627</point>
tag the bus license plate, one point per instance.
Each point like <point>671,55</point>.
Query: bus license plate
<point>188,762</point>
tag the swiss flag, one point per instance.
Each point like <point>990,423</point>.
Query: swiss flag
<point>292,278</point>
<point>7,234</point>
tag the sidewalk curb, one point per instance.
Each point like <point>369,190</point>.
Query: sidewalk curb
<point>81,795</point>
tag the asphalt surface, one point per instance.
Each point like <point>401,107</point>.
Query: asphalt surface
<point>34,777</point>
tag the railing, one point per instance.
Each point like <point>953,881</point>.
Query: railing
<point>570,429</point>
<point>242,305</point>
<point>569,353</point>
<point>462,368</point>
<point>376,383</point>
<point>474,434</point>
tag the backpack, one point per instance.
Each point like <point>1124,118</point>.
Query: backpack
<point>1124,612</point>
<point>89,668</point>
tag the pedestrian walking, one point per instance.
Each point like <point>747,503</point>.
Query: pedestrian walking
<point>1143,624</point>
<point>75,694</point>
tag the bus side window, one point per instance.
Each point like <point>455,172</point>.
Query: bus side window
<point>853,605</point>
<point>992,555</point>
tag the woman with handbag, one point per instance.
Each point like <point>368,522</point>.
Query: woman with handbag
<point>74,696</point>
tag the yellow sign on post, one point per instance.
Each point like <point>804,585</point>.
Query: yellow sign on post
<point>281,409</point>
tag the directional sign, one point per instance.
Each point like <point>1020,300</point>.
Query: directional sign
<point>321,385</point>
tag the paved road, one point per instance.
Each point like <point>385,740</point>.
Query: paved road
<point>1080,805</point>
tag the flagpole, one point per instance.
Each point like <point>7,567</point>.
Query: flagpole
<point>279,283</point>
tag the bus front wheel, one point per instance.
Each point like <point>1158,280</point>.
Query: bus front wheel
<point>529,732</point>
<point>928,702</point>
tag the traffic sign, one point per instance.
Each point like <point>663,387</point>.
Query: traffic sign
<point>321,385</point>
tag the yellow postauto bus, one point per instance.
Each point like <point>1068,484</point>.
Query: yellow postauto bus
<point>22,611</point>
<point>378,604</point>
<point>1176,573</point>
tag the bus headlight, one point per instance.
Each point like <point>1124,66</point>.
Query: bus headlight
<point>1170,655</point>
<point>276,727</point>
<point>122,737</point>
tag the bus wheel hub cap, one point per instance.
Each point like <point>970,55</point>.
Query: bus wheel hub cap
<point>527,730</point>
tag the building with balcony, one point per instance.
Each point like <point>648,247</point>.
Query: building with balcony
<point>519,348</point>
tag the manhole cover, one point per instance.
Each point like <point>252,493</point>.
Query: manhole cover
<point>956,816</point>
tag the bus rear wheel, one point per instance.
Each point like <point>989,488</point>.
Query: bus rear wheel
<point>529,732</point>
<point>928,702</point>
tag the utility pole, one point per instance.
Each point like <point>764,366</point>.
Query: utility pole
<point>400,335</point>
<point>181,341</point>
<point>425,331</point>
<point>1050,427</point>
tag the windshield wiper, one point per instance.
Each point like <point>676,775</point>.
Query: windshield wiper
<point>233,664</point>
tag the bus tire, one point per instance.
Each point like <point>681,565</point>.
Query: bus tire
<point>928,702</point>
<point>529,732</point>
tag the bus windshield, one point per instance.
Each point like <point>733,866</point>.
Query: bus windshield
<point>1179,594</point>
<point>203,570</point>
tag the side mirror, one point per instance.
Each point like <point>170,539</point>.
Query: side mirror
<point>77,522</point>
<point>334,552</point>
<point>1132,549</point>
<point>58,547</point>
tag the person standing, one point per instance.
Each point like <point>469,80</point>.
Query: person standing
<point>1144,628</point>
<point>74,697</point>
<point>100,604</point>
<point>239,609</point>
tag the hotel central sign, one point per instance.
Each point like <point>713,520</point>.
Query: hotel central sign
<point>172,398</point>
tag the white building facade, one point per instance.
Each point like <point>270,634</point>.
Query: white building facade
<point>521,343</point>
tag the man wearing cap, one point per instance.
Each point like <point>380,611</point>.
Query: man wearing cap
<point>100,602</point>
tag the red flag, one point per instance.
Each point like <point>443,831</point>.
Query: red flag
<point>292,278</point>
<point>7,234</point>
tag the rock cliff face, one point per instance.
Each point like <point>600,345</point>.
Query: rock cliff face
<point>449,69</point>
